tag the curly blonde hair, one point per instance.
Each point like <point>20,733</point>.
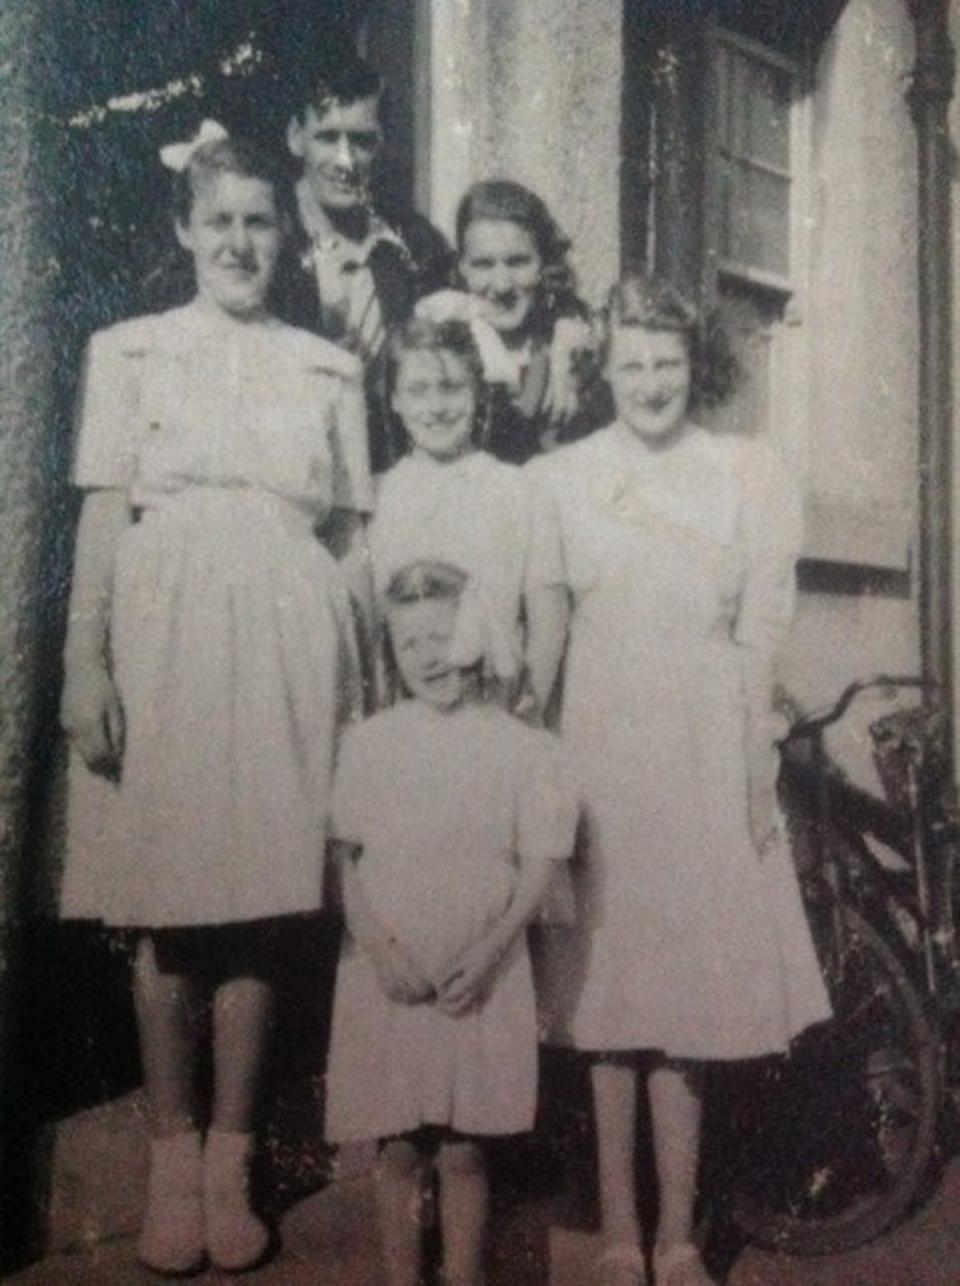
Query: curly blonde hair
<point>651,302</point>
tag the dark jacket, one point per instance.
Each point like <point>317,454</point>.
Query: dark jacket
<point>518,428</point>
<point>400,279</point>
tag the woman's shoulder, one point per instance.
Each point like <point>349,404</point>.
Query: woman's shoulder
<point>527,747</point>
<point>573,460</point>
<point>753,463</point>
<point>376,730</point>
<point>314,352</point>
<point>402,479</point>
<point>500,475</point>
<point>135,336</point>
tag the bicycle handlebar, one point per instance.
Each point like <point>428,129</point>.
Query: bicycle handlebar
<point>810,724</point>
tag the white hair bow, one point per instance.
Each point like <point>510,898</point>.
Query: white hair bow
<point>177,156</point>
<point>479,635</point>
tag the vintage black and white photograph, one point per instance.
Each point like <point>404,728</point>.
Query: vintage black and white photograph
<point>478,799</point>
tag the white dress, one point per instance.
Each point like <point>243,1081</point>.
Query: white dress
<point>481,515</point>
<point>681,566</point>
<point>445,805</point>
<point>230,627</point>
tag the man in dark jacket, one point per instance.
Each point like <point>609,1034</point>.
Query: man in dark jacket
<point>357,270</point>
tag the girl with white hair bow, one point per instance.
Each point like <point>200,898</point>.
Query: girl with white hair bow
<point>223,461</point>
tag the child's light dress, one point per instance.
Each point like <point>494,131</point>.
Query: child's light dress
<point>445,805</point>
<point>479,514</point>
<point>230,627</point>
<point>681,566</point>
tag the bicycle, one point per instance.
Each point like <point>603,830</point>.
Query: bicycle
<point>846,1133</point>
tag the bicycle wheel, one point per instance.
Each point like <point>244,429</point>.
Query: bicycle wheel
<point>838,1141</point>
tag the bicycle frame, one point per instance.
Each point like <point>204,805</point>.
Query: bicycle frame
<point>915,827</point>
<point>850,1120</point>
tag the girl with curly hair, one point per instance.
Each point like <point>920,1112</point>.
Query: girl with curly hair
<point>690,943</point>
<point>517,290</point>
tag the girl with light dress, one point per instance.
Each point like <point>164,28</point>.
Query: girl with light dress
<point>449,817</point>
<point>690,942</point>
<point>448,500</point>
<point>208,666</point>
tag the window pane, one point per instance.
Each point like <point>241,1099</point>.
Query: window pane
<point>754,221</point>
<point>755,108</point>
<point>738,108</point>
<point>768,112</point>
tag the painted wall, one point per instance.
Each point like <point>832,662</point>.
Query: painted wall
<point>529,92</point>
<point>861,309</point>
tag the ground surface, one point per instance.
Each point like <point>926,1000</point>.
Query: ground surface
<point>97,1169</point>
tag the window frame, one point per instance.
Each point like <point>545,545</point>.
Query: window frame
<point>782,285</point>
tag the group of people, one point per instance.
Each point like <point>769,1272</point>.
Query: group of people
<point>403,582</point>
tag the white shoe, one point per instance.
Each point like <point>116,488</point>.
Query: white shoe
<point>681,1265</point>
<point>236,1238</point>
<point>171,1240</point>
<point>622,1263</point>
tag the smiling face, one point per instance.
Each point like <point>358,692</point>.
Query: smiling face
<point>434,396</point>
<point>422,634</point>
<point>649,375</point>
<point>338,147</point>
<point>233,233</point>
<point>500,263</point>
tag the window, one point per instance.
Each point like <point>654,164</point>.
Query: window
<point>754,91</point>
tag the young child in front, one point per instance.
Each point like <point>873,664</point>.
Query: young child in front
<point>448,499</point>
<point>449,816</point>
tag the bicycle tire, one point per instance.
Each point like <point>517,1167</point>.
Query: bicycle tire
<point>858,1106</point>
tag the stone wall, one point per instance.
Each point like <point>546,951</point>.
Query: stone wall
<point>26,487</point>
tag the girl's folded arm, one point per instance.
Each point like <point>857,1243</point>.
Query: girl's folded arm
<point>365,928</point>
<point>399,977</point>
<point>467,977</point>
<point>345,536</point>
<point>548,617</point>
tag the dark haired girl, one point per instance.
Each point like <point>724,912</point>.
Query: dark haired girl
<point>513,264</point>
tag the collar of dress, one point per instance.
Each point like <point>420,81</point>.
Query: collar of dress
<point>464,466</point>
<point>689,484</point>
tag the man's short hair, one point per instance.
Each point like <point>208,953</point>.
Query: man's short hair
<point>346,81</point>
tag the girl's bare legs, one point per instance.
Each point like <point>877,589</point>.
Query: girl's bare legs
<point>675,1107</point>
<point>241,1022</point>
<point>464,1202</point>
<point>615,1110</point>
<point>172,1237</point>
<point>401,1176</point>
<point>168,1011</point>
<point>236,1237</point>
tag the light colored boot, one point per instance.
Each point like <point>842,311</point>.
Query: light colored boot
<point>171,1240</point>
<point>681,1265</point>
<point>236,1238</point>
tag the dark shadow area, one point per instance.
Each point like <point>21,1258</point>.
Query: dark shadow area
<point>816,577</point>
<point>70,1038</point>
